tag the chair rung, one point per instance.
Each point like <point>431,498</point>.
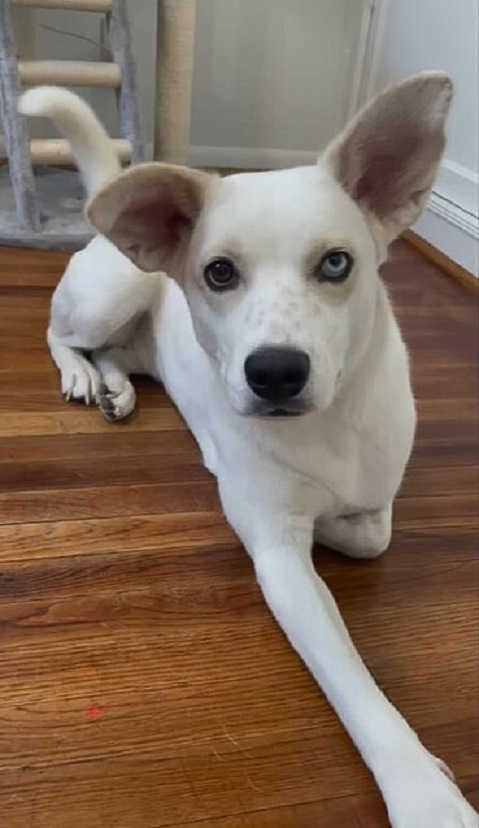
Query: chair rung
<point>69,5</point>
<point>69,73</point>
<point>57,150</point>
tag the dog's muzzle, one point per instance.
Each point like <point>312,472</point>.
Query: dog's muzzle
<point>277,375</point>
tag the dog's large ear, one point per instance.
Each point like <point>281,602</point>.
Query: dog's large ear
<point>387,158</point>
<point>149,212</point>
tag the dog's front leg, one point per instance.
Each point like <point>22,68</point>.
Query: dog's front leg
<point>361,535</point>
<point>415,787</point>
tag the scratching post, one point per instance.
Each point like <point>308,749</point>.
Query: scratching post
<point>176,32</point>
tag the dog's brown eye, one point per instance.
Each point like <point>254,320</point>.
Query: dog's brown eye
<point>221,274</point>
<point>335,266</point>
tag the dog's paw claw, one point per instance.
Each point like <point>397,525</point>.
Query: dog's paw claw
<point>107,399</point>
<point>70,389</point>
<point>109,415</point>
<point>82,384</point>
<point>107,407</point>
<point>117,405</point>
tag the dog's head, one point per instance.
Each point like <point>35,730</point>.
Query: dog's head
<point>280,269</point>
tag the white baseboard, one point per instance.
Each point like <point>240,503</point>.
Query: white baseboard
<point>459,185</point>
<point>451,219</point>
<point>455,214</point>
<point>250,158</point>
<point>449,229</point>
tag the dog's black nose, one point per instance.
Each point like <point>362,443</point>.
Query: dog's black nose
<point>277,373</point>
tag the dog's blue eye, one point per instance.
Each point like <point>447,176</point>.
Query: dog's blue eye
<point>334,267</point>
<point>221,274</point>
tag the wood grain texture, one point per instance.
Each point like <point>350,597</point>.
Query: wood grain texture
<point>143,683</point>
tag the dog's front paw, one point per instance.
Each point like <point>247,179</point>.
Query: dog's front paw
<point>424,796</point>
<point>116,405</point>
<point>81,382</point>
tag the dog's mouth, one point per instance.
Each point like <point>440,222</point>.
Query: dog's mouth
<point>280,411</point>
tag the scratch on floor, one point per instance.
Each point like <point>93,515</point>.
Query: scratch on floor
<point>234,742</point>
<point>218,756</point>
<point>252,785</point>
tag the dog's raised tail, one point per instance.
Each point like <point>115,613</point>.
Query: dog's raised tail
<point>90,144</point>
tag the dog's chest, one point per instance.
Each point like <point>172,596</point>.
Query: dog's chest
<point>342,465</point>
<point>342,470</point>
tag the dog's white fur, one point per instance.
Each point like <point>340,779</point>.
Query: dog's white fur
<point>332,473</point>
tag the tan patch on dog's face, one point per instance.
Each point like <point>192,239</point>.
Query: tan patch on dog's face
<point>339,291</point>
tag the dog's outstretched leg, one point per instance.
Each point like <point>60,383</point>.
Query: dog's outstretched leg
<point>416,790</point>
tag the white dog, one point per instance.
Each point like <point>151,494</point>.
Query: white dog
<point>274,336</point>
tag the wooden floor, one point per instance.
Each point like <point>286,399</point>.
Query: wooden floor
<point>142,680</point>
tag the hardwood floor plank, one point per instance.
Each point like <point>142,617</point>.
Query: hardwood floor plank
<point>366,813</point>
<point>427,481</point>
<point>104,446</point>
<point>87,471</point>
<point>47,540</point>
<point>91,502</point>
<point>76,420</point>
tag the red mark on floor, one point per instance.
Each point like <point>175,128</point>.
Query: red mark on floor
<point>90,669</point>
<point>94,711</point>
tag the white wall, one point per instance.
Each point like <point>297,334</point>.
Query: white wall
<point>443,34</point>
<point>272,80</point>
